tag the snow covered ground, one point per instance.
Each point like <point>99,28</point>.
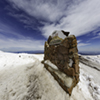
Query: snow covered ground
<point>95,59</point>
<point>23,77</point>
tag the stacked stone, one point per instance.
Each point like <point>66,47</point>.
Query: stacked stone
<point>64,54</point>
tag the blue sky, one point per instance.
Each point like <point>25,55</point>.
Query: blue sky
<point>26,24</point>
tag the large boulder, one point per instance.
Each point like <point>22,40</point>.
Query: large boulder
<point>61,50</point>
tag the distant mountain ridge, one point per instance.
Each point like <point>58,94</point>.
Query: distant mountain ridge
<point>89,53</point>
<point>30,52</point>
<point>42,52</point>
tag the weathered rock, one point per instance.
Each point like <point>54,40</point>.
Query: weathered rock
<point>55,40</point>
<point>71,37</point>
<point>49,39</point>
<point>64,54</point>
<point>62,50</point>
<point>65,33</point>
<point>73,50</point>
<point>69,72</point>
<point>76,67</point>
<point>65,43</point>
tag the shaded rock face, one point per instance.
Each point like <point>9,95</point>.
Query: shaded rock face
<point>64,54</point>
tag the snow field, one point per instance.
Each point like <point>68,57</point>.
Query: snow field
<point>23,77</point>
<point>93,58</point>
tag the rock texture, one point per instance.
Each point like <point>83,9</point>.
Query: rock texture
<point>64,54</point>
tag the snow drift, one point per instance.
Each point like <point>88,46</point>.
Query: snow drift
<point>23,77</point>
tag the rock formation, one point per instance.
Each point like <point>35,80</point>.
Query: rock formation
<point>64,54</point>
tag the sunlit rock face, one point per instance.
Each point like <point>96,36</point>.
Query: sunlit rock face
<point>61,50</point>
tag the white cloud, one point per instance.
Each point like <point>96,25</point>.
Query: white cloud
<point>83,44</point>
<point>95,37</point>
<point>21,44</point>
<point>28,22</point>
<point>8,30</point>
<point>99,34</point>
<point>78,17</point>
<point>50,10</point>
<point>78,41</point>
<point>89,48</point>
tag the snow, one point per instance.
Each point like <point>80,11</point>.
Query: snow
<point>51,64</point>
<point>93,86</point>
<point>23,77</point>
<point>58,33</point>
<point>53,68</point>
<point>94,58</point>
<point>70,62</point>
<point>39,56</point>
